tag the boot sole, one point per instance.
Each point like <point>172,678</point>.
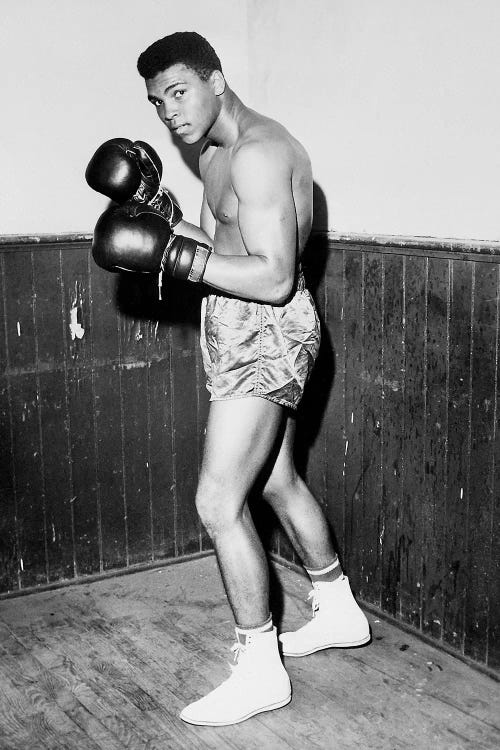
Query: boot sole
<point>351,644</point>
<point>279,704</point>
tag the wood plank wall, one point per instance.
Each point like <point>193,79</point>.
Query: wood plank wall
<point>403,453</point>
<point>100,402</point>
<point>103,404</point>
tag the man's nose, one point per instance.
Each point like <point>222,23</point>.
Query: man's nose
<point>168,112</point>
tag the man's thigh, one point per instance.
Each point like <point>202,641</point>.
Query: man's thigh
<point>240,436</point>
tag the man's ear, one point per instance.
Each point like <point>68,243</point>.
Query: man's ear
<point>218,82</point>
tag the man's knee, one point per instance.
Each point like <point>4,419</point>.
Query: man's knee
<point>217,504</point>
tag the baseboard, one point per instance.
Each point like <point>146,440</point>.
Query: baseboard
<point>111,573</point>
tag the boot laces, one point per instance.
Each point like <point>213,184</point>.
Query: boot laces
<point>314,596</point>
<point>239,651</point>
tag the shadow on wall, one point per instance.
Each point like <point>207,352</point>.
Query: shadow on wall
<point>312,409</point>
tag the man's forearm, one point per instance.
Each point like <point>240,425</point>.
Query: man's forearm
<point>186,229</point>
<point>252,277</point>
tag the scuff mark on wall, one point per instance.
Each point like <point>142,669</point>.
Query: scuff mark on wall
<point>76,329</point>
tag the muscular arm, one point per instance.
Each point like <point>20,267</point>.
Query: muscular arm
<point>186,229</point>
<point>261,179</point>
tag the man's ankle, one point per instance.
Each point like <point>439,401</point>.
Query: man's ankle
<point>242,633</point>
<point>328,574</point>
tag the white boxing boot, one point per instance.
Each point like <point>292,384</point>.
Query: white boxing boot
<point>337,621</point>
<point>259,682</point>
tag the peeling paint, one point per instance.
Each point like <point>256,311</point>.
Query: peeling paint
<point>76,314</point>
<point>76,329</point>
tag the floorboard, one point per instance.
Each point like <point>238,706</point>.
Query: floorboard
<point>109,665</point>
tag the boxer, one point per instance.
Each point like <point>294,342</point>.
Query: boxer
<point>260,337</point>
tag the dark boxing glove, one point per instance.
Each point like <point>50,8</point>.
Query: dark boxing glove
<point>136,237</point>
<point>125,171</point>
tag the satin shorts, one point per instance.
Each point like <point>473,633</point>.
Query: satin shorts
<point>255,349</point>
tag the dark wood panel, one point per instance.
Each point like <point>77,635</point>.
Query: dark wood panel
<point>50,378</point>
<point>82,461</point>
<point>435,444</point>
<point>370,521</point>
<point>109,445</point>
<point>134,428</point>
<point>110,468</point>
<point>18,305</point>
<point>457,488</point>
<point>483,378</point>
<point>493,654</point>
<point>353,416</point>
<point>163,498</point>
<point>391,430</point>
<point>9,568</point>
<point>185,420</point>
<point>410,522</point>
<point>80,409</point>
<point>31,552</point>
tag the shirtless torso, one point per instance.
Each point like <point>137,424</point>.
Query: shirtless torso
<point>289,156</point>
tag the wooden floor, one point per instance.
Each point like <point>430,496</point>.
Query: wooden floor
<point>110,664</point>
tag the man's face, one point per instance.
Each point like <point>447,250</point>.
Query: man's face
<point>185,103</point>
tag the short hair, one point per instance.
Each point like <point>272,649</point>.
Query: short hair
<point>182,47</point>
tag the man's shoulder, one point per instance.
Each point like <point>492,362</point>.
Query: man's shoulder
<point>261,137</point>
<point>268,143</point>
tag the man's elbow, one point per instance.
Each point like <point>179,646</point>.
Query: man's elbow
<point>281,291</point>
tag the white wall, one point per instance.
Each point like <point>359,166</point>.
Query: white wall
<point>396,101</point>
<point>398,104</point>
<point>69,82</point>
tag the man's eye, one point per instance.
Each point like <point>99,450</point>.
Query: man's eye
<point>156,103</point>
<point>179,93</point>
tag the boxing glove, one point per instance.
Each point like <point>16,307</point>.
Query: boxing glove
<point>124,171</point>
<point>136,237</point>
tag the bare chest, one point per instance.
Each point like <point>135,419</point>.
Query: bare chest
<point>218,188</point>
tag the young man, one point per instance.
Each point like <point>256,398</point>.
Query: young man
<point>259,337</point>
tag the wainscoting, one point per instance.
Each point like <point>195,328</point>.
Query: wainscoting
<point>103,404</point>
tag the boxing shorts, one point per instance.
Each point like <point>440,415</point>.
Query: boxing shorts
<point>255,349</point>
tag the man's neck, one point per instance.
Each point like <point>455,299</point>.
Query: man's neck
<point>227,128</point>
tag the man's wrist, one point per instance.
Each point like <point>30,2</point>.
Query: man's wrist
<point>200,260</point>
